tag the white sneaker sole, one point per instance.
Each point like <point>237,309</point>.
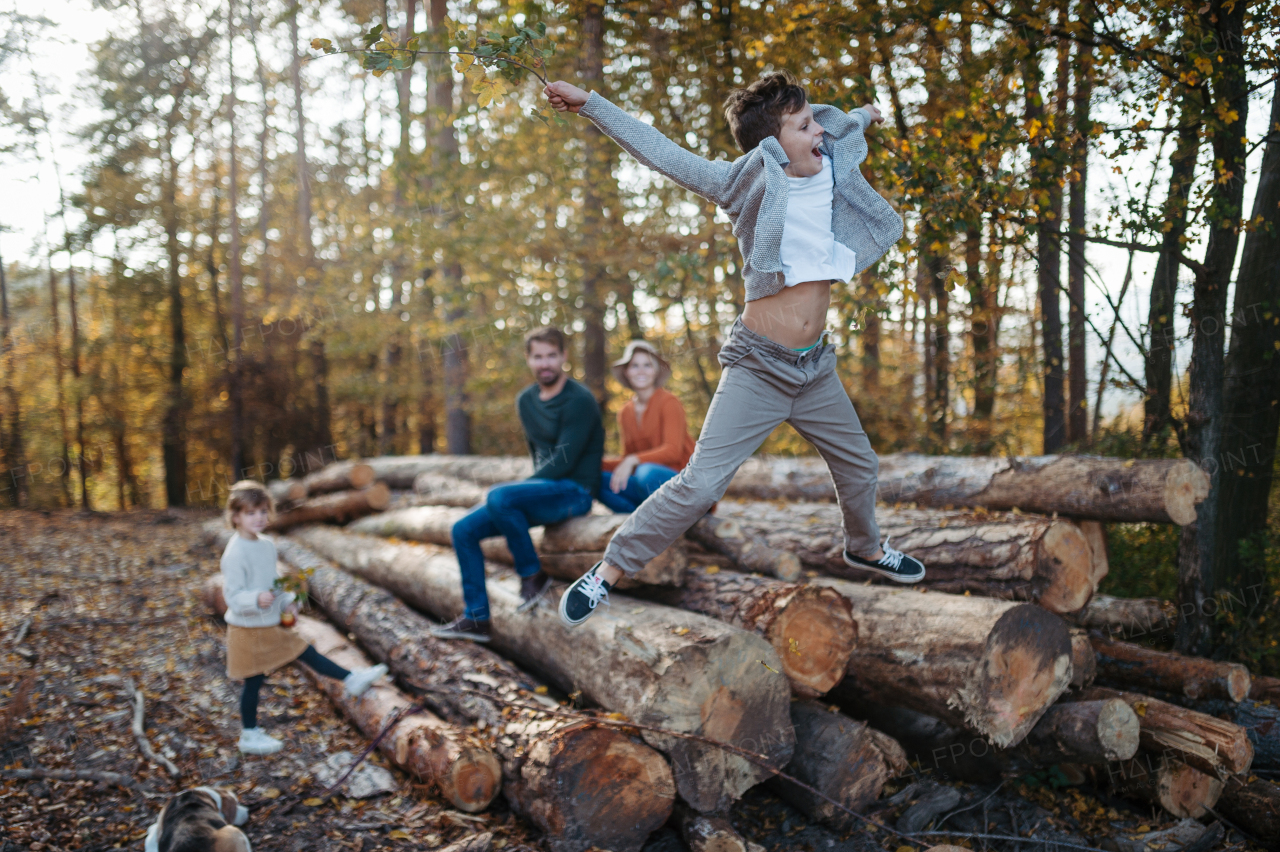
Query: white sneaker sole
<point>899,578</point>
<point>260,750</point>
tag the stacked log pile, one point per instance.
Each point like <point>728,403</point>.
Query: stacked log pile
<point>990,663</point>
<point>662,668</point>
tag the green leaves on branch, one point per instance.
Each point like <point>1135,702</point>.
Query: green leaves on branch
<point>509,55</point>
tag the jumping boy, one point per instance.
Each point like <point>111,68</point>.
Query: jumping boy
<point>805,218</point>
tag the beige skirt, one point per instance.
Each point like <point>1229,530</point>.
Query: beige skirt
<point>261,650</point>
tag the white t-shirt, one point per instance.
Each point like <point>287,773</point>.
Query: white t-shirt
<point>809,248</point>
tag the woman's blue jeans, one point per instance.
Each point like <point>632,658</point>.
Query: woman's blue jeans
<point>510,510</point>
<point>645,479</point>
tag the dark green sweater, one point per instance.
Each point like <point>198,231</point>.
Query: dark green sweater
<point>565,434</point>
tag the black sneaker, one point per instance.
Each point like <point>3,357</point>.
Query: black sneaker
<point>581,599</point>
<point>463,628</point>
<point>895,565</point>
<point>532,589</point>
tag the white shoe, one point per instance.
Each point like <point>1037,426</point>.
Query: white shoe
<point>256,741</point>
<point>356,683</point>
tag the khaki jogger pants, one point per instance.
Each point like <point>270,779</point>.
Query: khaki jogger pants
<point>763,384</point>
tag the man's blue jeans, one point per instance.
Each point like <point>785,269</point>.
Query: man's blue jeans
<point>645,479</point>
<point>509,510</point>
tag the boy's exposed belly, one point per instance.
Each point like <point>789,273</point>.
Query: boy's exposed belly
<point>794,316</point>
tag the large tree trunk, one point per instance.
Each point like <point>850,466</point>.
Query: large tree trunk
<point>286,491</point>
<point>465,771</point>
<point>1020,557</point>
<point>1199,578</point>
<point>1046,188</point>
<point>810,627</point>
<point>1126,617</point>
<point>1077,377</point>
<point>598,159</point>
<point>336,508</point>
<point>173,441</point>
<point>55,338</point>
<point>1251,419</point>
<point>434,489</point>
<point>11,430</point>
<point>1166,782</point>
<point>1260,721</point>
<point>235,363</point>
<point>567,550</point>
<point>583,785</point>
<point>658,666</point>
<point>748,552</point>
<point>1103,489</point>
<point>1209,744</point>
<point>1164,282</point>
<point>1254,805</point>
<point>840,757</point>
<point>401,471</point>
<point>342,476</point>
<point>1086,733</point>
<point>992,666</point>
<point>1145,668</point>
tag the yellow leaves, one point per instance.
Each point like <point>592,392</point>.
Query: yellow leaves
<point>271,793</point>
<point>1140,708</point>
<point>713,569</point>
<point>680,631</point>
<point>540,690</point>
<point>489,90</point>
<point>399,834</point>
<point>976,139</point>
<point>313,802</point>
<point>1033,128</point>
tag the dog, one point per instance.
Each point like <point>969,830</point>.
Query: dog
<point>200,820</point>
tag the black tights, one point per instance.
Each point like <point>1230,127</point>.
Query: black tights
<point>314,660</point>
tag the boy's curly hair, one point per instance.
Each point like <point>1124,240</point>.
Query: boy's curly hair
<point>756,112</point>
<point>248,494</point>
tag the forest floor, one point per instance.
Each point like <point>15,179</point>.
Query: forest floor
<point>111,598</point>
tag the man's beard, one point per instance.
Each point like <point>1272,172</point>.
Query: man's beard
<point>547,379</point>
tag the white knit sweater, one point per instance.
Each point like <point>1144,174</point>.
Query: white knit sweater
<point>752,190</point>
<point>249,569</point>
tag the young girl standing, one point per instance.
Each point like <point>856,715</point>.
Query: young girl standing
<point>256,643</point>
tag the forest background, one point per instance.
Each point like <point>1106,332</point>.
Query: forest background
<point>266,257</point>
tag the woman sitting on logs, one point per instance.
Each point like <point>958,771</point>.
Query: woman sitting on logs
<point>656,443</point>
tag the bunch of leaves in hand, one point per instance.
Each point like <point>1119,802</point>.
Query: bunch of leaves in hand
<point>296,583</point>
<point>513,54</point>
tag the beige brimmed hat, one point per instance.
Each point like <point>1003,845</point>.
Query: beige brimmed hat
<point>619,367</point>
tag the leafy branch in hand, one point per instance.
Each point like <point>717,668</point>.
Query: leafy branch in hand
<point>523,50</point>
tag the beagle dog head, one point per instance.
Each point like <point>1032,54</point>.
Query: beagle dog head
<point>200,820</point>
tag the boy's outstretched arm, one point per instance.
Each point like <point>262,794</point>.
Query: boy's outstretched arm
<point>645,143</point>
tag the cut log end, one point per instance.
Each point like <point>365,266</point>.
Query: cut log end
<point>473,781</point>
<point>598,786</point>
<point>1238,683</point>
<point>1118,729</point>
<point>1070,570</point>
<point>1185,485</point>
<point>814,638</point>
<point>1026,666</point>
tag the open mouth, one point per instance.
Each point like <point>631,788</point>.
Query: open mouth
<point>817,155</point>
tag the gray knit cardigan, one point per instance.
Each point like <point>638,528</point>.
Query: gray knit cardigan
<point>753,189</point>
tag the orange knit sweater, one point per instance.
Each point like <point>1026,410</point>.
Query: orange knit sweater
<point>662,437</point>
